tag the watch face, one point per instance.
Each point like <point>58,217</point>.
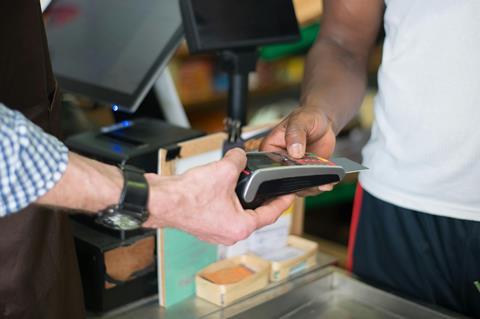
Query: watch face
<point>117,219</point>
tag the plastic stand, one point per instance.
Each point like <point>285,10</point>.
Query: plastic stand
<point>170,103</point>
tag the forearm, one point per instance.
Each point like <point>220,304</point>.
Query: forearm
<point>335,81</point>
<point>86,185</point>
<point>336,68</point>
<point>90,186</point>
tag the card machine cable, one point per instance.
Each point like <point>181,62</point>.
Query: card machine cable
<point>272,174</point>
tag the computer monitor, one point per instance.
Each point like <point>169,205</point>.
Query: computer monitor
<point>112,51</point>
<point>213,25</point>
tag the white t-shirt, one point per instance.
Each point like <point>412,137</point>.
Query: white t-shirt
<point>424,153</point>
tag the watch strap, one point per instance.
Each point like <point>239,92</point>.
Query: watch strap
<point>135,188</point>
<point>131,211</point>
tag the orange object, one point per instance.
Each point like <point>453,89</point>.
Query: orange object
<point>228,275</point>
<point>122,262</point>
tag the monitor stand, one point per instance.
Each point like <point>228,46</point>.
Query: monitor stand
<point>162,101</point>
<point>170,103</point>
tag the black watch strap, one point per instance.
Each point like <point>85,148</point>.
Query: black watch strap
<point>131,212</point>
<point>135,188</point>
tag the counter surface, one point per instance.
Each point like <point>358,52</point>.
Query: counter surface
<point>322,292</point>
<point>199,308</point>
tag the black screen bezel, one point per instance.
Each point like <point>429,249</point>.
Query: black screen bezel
<point>193,38</point>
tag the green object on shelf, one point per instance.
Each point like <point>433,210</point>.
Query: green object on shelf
<point>477,285</point>
<point>278,51</point>
<point>343,192</point>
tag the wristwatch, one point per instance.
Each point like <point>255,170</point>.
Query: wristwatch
<point>131,212</point>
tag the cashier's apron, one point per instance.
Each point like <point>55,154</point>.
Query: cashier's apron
<point>39,275</point>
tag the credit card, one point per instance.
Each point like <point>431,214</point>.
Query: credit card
<point>348,165</point>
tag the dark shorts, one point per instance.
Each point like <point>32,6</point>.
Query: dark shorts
<point>430,258</point>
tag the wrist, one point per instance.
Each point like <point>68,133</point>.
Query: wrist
<point>115,180</point>
<point>164,199</point>
<point>131,211</point>
<point>111,178</point>
<point>86,185</point>
<point>106,182</point>
<point>103,183</point>
<point>322,111</point>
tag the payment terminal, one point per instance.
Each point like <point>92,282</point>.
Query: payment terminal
<point>272,174</point>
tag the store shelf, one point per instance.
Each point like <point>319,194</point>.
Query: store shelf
<point>221,98</point>
<point>278,51</point>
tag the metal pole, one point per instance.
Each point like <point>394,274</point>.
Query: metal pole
<point>238,93</point>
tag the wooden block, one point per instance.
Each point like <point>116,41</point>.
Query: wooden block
<point>331,248</point>
<point>204,144</point>
<point>298,216</point>
<point>281,270</point>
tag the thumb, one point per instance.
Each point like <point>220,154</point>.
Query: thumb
<point>269,213</point>
<point>296,137</point>
<point>237,159</point>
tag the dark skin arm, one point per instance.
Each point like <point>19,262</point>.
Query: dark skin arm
<point>335,79</point>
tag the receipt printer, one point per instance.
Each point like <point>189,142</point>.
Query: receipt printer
<point>133,142</point>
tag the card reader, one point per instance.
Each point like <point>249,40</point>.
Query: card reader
<point>272,174</point>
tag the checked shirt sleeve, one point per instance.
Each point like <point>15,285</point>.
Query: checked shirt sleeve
<point>31,161</point>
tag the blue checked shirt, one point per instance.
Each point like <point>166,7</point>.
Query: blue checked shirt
<point>31,161</point>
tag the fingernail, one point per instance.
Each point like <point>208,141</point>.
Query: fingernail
<point>325,188</point>
<point>295,150</point>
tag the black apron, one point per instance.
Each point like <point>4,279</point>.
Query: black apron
<point>39,275</point>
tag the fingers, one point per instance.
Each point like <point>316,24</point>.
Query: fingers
<point>303,128</point>
<point>309,192</point>
<point>326,187</point>
<point>316,190</point>
<point>269,213</point>
<point>275,141</point>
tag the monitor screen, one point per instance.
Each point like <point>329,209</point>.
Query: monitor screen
<point>110,50</point>
<point>228,24</point>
